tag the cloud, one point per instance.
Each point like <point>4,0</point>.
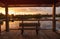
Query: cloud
<point>41,10</point>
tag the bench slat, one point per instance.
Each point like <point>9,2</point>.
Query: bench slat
<point>28,28</point>
<point>29,24</point>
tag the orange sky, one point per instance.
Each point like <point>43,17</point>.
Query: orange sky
<point>28,10</point>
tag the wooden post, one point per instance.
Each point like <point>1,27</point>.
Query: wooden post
<point>54,15</point>
<point>7,19</point>
<point>0,29</point>
<point>22,30</point>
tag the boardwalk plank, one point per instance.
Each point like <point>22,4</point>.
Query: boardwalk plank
<point>29,34</point>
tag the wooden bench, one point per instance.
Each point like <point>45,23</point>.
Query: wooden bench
<point>29,26</point>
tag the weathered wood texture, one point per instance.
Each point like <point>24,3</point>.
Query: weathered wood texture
<point>29,34</point>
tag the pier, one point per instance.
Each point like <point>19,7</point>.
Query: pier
<point>30,34</point>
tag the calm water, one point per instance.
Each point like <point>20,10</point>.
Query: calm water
<point>44,25</point>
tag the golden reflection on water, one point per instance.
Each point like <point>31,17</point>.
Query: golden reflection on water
<point>13,25</point>
<point>44,25</point>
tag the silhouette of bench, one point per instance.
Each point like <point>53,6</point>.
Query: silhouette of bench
<point>29,26</point>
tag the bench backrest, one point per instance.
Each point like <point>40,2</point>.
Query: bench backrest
<point>29,24</point>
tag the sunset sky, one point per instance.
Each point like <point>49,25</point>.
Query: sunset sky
<point>29,10</point>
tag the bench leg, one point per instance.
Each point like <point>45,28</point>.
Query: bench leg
<point>37,29</point>
<point>22,31</point>
<point>37,32</point>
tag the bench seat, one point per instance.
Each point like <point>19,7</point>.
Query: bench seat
<point>29,26</point>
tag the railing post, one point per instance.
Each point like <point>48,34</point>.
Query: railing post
<point>7,19</point>
<point>54,15</point>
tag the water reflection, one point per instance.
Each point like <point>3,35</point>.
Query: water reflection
<point>43,25</point>
<point>3,26</point>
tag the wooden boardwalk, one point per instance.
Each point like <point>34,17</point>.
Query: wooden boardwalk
<point>29,34</point>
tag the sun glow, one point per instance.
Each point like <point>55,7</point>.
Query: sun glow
<point>2,10</point>
<point>25,10</point>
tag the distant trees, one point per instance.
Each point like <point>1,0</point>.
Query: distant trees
<point>36,16</point>
<point>2,16</point>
